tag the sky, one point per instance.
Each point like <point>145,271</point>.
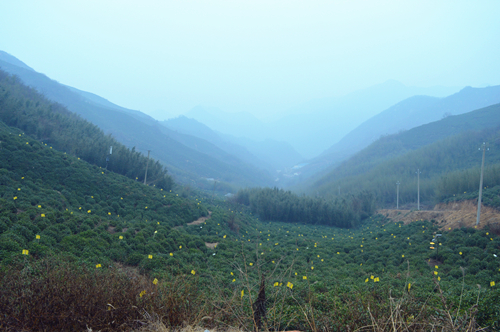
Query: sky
<point>261,56</point>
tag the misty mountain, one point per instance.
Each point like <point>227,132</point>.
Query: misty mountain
<point>279,154</point>
<point>268,154</point>
<point>407,114</point>
<point>194,128</point>
<point>314,126</point>
<point>392,147</point>
<point>240,124</point>
<point>200,159</point>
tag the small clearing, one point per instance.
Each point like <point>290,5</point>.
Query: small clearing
<point>448,216</point>
<point>211,245</point>
<point>200,220</point>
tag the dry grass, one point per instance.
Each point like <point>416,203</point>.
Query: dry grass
<point>52,296</point>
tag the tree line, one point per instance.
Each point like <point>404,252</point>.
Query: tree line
<point>280,205</point>
<point>51,123</point>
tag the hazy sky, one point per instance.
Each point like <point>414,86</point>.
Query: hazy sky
<point>164,57</point>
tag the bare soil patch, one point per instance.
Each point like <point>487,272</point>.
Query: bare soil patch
<point>448,216</point>
<point>201,220</point>
<point>211,245</point>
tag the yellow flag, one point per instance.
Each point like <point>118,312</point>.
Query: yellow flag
<point>276,284</point>
<point>492,283</point>
<point>150,256</point>
<point>289,285</point>
<point>304,277</point>
<point>155,281</point>
<point>98,266</point>
<point>193,272</point>
<point>409,286</point>
<point>38,237</point>
<point>120,237</point>
<point>25,252</point>
<point>242,293</point>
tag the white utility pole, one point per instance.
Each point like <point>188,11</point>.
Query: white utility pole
<point>147,164</point>
<point>480,186</point>
<point>418,189</point>
<point>397,200</point>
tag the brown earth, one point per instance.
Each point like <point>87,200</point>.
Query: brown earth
<point>201,220</point>
<point>211,245</point>
<point>448,216</point>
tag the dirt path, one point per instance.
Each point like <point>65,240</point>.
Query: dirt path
<point>211,245</point>
<point>201,220</point>
<point>448,216</point>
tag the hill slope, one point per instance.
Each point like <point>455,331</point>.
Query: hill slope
<point>436,149</point>
<point>407,114</point>
<point>252,144</point>
<point>80,228</point>
<point>138,130</point>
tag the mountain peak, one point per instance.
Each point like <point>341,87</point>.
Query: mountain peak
<point>6,57</point>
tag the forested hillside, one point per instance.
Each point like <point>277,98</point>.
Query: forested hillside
<point>54,125</point>
<point>280,205</point>
<point>74,239</point>
<point>408,116</point>
<point>438,148</point>
<point>187,163</point>
<point>448,167</point>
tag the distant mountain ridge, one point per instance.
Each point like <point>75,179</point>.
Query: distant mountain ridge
<point>409,113</point>
<point>268,154</point>
<point>318,124</point>
<point>135,129</point>
<point>312,127</point>
<point>392,147</point>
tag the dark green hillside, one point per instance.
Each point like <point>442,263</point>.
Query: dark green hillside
<point>442,165</point>
<point>409,114</point>
<point>88,220</point>
<point>394,145</point>
<point>392,155</point>
<point>61,197</point>
<point>134,129</point>
<point>280,205</point>
<point>54,125</point>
